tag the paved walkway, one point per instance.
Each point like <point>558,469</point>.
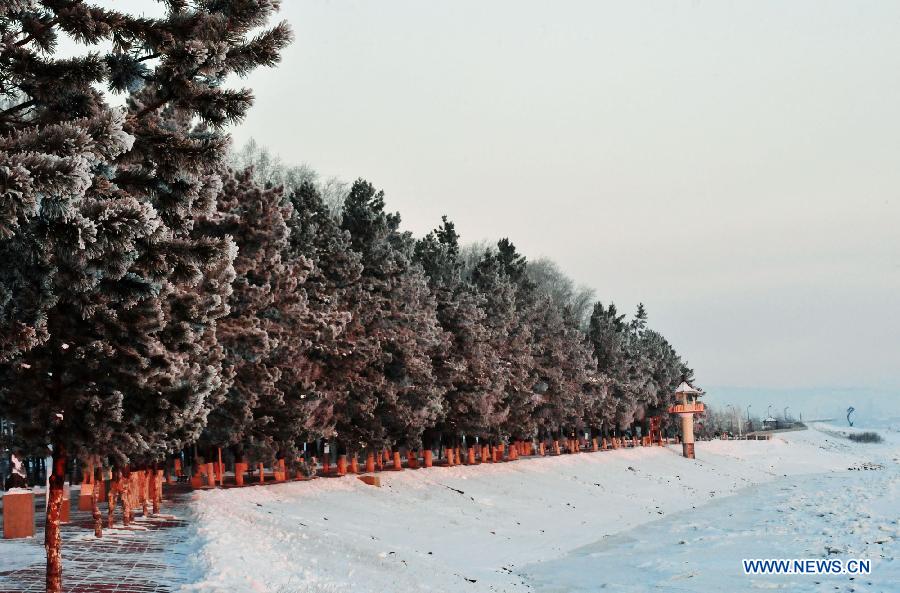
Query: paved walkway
<point>145,558</point>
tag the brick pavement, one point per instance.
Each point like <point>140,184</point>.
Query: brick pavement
<point>148,557</point>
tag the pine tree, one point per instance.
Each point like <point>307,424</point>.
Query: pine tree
<point>665,370</point>
<point>564,363</point>
<point>574,301</point>
<point>510,338</point>
<point>655,369</point>
<point>639,322</point>
<point>641,370</point>
<point>608,333</point>
<point>335,355</point>
<point>264,334</point>
<point>268,169</point>
<point>108,293</point>
<point>395,396</point>
<point>550,354</point>
<point>467,369</point>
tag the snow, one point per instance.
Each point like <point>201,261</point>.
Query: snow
<point>843,515</point>
<point>20,552</point>
<point>17,552</point>
<point>686,387</point>
<point>562,524</point>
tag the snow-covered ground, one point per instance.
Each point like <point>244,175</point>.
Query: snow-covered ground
<point>848,514</point>
<point>16,553</point>
<point>629,519</point>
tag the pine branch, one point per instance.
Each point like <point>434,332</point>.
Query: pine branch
<point>153,106</point>
<point>30,37</point>
<point>49,25</point>
<point>16,108</point>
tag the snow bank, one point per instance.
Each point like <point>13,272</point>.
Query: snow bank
<point>471,528</point>
<point>842,515</point>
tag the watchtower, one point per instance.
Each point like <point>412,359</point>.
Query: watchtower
<point>686,405</point>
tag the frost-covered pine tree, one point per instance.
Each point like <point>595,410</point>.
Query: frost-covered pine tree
<point>394,395</point>
<point>264,334</point>
<point>497,277</point>
<point>574,301</point>
<point>565,368</point>
<point>335,355</point>
<point>108,294</point>
<point>641,369</point>
<point>663,370</point>
<point>473,404</point>
<point>609,334</point>
<point>269,169</point>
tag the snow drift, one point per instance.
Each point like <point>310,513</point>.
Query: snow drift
<point>478,528</point>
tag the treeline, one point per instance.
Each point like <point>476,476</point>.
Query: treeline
<point>151,298</point>
<point>345,327</point>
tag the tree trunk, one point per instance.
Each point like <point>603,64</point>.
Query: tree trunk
<point>52,539</point>
<point>95,505</point>
<point>155,488</point>
<point>145,491</point>
<point>125,495</point>
<point>111,494</point>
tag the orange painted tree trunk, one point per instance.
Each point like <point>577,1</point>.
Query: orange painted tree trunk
<point>144,480</point>
<point>125,494</point>
<point>155,487</point>
<point>52,539</point>
<point>95,504</point>
<point>111,494</point>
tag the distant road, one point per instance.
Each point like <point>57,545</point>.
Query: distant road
<point>776,430</point>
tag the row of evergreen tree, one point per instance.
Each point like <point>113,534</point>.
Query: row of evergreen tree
<point>112,280</point>
<point>151,298</point>
<point>343,326</point>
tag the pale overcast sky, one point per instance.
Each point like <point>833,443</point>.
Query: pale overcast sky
<point>733,165</point>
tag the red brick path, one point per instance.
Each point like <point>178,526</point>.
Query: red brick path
<point>149,557</point>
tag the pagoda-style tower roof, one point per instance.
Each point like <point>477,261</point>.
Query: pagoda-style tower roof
<point>686,396</point>
<point>686,387</point>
